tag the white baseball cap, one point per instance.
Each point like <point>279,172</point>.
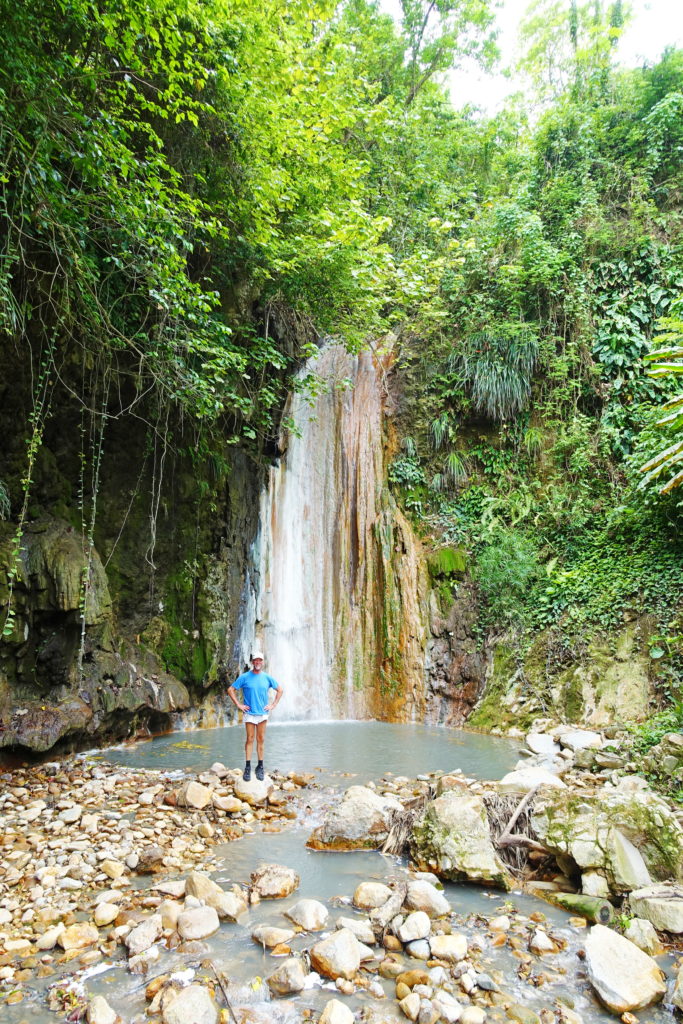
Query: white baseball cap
<point>256,654</point>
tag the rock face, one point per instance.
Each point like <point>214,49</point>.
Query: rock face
<point>452,839</point>
<point>624,977</point>
<point>662,905</point>
<point>627,835</point>
<point>274,882</point>
<point>360,821</point>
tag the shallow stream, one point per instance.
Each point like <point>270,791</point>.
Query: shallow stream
<point>342,754</point>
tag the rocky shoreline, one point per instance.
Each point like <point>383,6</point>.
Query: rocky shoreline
<point>103,864</point>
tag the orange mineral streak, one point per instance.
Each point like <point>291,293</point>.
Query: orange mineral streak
<point>342,608</point>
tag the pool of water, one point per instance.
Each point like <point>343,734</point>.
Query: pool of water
<point>366,750</point>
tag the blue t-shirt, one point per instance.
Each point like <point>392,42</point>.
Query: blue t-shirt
<point>255,687</point>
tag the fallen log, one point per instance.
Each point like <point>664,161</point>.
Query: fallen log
<point>593,908</point>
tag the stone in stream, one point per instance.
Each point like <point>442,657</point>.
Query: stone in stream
<point>624,978</point>
<point>198,923</point>
<point>424,896</point>
<point>411,1005</point>
<point>662,905</point>
<point>78,936</point>
<point>144,935</point>
<point>193,1004</point>
<point>451,948</point>
<point>274,882</point>
<point>311,915</point>
<point>473,1015</point>
<point>542,743</point>
<point>100,1012</point>
<point>419,949</point>
<point>227,905</point>
<point>359,821</point>
<point>194,794</point>
<point>150,859</point>
<point>338,956</point>
<point>290,977</point>
<point>448,1006</point>
<point>677,995</point>
<point>361,928</point>
<point>416,926</point>
<point>49,939</point>
<point>336,1012</point>
<point>452,838</point>
<point>269,936</point>
<point>254,792</point>
<point>370,895</point>
<point>643,935</point>
<point>580,739</point>
<point>104,914</point>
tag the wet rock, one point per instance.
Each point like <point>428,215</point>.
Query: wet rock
<point>290,977</point>
<point>419,949</point>
<point>500,923</point>
<point>662,905</point>
<point>369,895</point>
<point>228,905</point>
<point>677,995</point>
<point>643,935</point>
<point>144,935</point>
<point>229,804</point>
<point>113,868</point>
<point>338,956</point>
<point>542,743</point>
<point>150,859</point>
<point>519,782</point>
<point>192,1004</point>
<point>194,794</point>
<point>274,882</point>
<point>411,1006</point>
<point>104,914</point>
<point>336,1012</point>
<point>360,926</point>
<point>198,923</point>
<point>424,896</point>
<point>269,936</point>
<point>416,926</point>
<point>541,943</point>
<point>254,792</point>
<point>448,1006</point>
<point>624,978</point>
<point>522,1014</point>
<point>311,915</point>
<point>361,820</point>
<point>452,838</point>
<point>100,1012</point>
<point>174,887</point>
<point>78,936</point>
<point>451,948</point>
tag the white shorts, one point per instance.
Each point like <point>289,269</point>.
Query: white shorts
<point>255,719</point>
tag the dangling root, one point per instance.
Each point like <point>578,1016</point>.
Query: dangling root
<point>402,823</point>
<point>504,814</point>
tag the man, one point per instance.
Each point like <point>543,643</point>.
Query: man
<point>255,686</point>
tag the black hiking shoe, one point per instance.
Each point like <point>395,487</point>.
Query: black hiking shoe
<point>246,774</point>
<point>259,772</point>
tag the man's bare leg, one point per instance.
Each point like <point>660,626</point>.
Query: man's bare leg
<point>260,747</point>
<point>248,746</point>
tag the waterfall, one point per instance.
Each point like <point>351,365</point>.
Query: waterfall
<point>339,616</point>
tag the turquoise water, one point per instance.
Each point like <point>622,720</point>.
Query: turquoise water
<point>365,749</point>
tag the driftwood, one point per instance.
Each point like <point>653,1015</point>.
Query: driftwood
<point>381,916</point>
<point>513,847</point>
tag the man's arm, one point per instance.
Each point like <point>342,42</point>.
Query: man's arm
<point>278,697</point>
<point>232,694</point>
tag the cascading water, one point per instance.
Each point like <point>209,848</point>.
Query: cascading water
<point>338,615</point>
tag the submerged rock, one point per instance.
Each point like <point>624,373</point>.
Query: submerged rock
<point>274,882</point>
<point>624,978</point>
<point>452,838</point>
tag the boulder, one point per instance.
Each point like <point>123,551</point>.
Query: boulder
<point>624,978</point>
<point>274,881</point>
<point>360,821</point>
<point>338,956</point>
<point>542,743</point>
<point>520,781</point>
<point>227,905</point>
<point>580,739</point>
<point>254,792</point>
<point>336,1012</point>
<point>198,923</point>
<point>451,948</point>
<point>290,977</point>
<point>144,935</point>
<point>310,915</point>
<point>370,895</point>
<point>195,795</point>
<point>194,1003</point>
<point>452,838</point>
<point>423,895</point>
<point>624,832</point>
<point>416,926</point>
<point>643,935</point>
<point>662,905</point>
